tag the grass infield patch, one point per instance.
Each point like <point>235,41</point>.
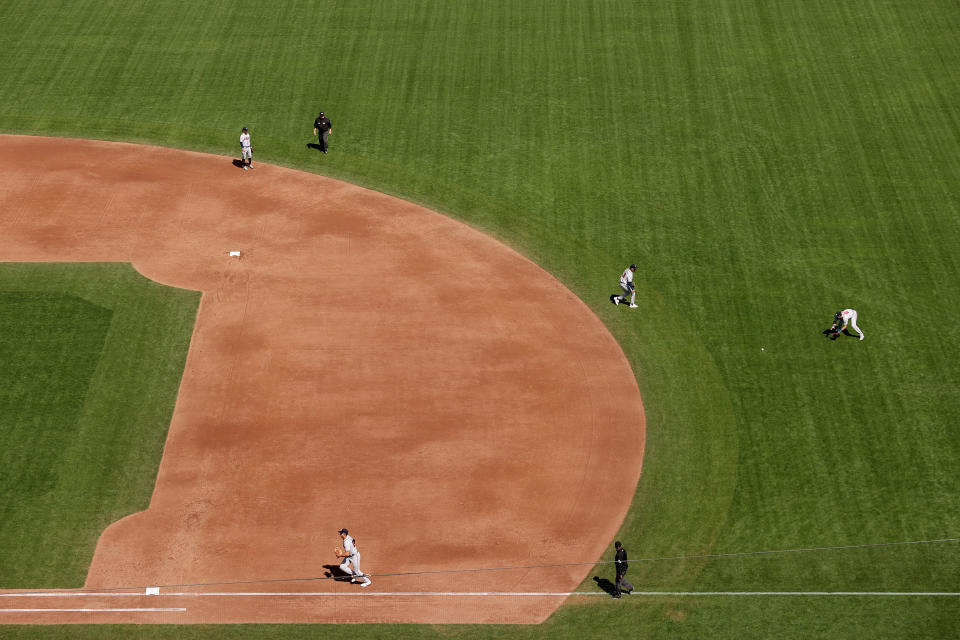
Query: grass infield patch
<point>92,359</point>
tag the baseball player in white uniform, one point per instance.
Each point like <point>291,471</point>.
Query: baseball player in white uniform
<point>350,556</point>
<point>626,283</point>
<point>246,151</point>
<point>844,318</point>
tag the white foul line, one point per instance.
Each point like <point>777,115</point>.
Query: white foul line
<point>448,594</point>
<point>91,610</point>
<point>557,594</point>
<point>793,593</point>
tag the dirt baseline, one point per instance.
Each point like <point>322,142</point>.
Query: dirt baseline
<point>365,363</point>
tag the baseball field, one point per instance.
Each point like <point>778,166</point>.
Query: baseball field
<point>764,164</point>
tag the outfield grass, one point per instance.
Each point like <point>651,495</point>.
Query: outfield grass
<point>764,163</point>
<point>92,357</point>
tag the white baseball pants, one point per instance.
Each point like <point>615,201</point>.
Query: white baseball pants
<point>626,290</point>
<point>853,323</point>
<point>355,571</point>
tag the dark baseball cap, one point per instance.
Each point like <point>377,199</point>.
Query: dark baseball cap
<point>343,531</point>
<point>633,266</point>
<point>321,113</point>
<point>244,128</point>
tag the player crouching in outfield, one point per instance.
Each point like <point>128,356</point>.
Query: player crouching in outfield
<point>841,320</point>
<point>246,151</point>
<point>350,558</point>
<point>626,283</point>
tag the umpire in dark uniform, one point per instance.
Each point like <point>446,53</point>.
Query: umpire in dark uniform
<point>322,128</point>
<point>620,558</point>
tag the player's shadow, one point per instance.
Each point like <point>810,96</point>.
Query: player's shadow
<point>606,585</point>
<point>314,145</point>
<point>833,335</point>
<point>238,163</point>
<point>334,571</point>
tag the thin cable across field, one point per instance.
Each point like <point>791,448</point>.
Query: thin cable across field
<point>507,568</point>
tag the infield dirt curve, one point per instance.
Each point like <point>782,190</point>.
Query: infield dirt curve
<point>365,363</point>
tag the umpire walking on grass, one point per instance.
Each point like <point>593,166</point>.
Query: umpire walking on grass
<point>322,128</point>
<point>620,560</point>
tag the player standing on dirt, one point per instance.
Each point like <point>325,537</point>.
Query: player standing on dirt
<point>246,151</point>
<point>350,555</point>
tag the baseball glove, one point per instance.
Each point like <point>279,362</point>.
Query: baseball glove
<point>339,552</point>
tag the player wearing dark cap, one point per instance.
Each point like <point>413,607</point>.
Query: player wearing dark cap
<point>626,283</point>
<point>322,128</point>
<point>246,151</point>
<point>842,319</point>
<point>350,559</point>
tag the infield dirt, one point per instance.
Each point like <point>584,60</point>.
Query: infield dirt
<point>365,363</point>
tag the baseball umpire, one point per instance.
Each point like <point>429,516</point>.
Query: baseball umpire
<point>322,128</point>
<point>620,559</point>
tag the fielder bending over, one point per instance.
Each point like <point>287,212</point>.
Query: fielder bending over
<point>843,318</point>
<point>350,556</point>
